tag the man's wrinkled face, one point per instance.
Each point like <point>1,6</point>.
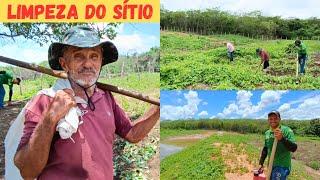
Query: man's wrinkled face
<point>82,64</point>
<point>273,120</point>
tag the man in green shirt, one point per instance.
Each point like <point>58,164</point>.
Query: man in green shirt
<point>302,55</point>
<point>286,144</point>
<point>7,78</point>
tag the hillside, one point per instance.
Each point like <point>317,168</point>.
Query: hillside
<point>191,61</point>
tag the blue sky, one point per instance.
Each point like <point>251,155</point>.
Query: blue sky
<point>239,104</point>
<point>284,8</point>
<point>131,38</point>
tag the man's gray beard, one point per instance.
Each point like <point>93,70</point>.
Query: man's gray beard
<point>82,82</point>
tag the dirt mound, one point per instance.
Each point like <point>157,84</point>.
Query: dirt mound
<point>281,72</point>
<point>233,176</point>
<point>202,135</point>
<point>236,160</point>
<point>316,57</point>
<point>198,86</point>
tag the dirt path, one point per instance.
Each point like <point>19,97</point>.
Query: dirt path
<point>183,141</point>
<point>154,162</point>
<point>238,165</point>
<point>312,172</point>
<point>7,114</point>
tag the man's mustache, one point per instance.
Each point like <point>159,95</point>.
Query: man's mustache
<point>87,70</point>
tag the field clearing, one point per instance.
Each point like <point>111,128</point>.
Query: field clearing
<point>224,155</point>
<point>190,61</point>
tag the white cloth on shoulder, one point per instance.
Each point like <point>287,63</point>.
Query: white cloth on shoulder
<point>66,127</point>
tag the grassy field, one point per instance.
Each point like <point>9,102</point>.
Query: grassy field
<point>190,61</point>
<point>213,157</point>
<point>147,83</point>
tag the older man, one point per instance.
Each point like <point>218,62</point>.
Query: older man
<point>286,144</point>
<point>42,153</point>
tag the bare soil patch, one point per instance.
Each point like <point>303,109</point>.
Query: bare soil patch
<point>8,114</point>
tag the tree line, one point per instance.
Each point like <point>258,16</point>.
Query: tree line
<point>135,63</point>
<point>299,127</point>
<point>253,24</point>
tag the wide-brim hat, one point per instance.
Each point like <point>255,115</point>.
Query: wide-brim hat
<point>83,37</point>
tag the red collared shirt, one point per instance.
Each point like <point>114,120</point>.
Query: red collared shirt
<point>264,55</point>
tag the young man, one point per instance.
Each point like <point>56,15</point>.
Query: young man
<point>230,51</point>
<point>42,153</point>
<point>302,55</point>
<point>264,58</point>
<point>286,144</point>
<point>7,78</point>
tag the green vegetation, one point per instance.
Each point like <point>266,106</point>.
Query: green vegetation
<point>30,87</point>
<point>146,83</point>
<point>315,165</point>
<point>212,157</point>
<point>252,24</point>
<point>194,162</point>
<point>200,62</point>
<point>303,128</point>
<point>131,63</point>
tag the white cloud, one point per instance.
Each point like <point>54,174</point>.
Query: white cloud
<point>29,52</point>
<point>308,109</point>
<point>182,112</point>
<point>135,43</point>
<point>243,107</point>
<point>269,97</point>
<point>204,103</point>
<point>285,8</point>
<point>203,114</point>
<point>284,107</point>
<point>230,109</point>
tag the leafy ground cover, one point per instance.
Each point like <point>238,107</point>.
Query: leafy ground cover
<point>190,61</point>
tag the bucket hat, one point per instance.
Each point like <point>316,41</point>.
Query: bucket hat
<point>83,37</point>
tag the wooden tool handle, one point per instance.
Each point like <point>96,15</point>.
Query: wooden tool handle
<point>60,74</point>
